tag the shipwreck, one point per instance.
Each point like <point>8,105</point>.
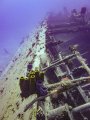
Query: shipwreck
<point>49,76</point>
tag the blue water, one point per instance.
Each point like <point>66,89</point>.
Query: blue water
<point>19,17</point>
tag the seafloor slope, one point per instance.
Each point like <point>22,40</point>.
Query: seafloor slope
<point>32,50</point>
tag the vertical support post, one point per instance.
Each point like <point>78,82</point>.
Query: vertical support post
<point>82,61</point>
